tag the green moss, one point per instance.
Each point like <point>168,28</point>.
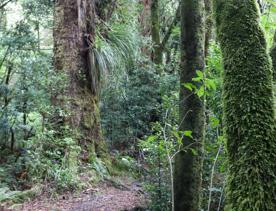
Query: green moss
<point>89,120</point>
<point>273,57</point>
<point>78,98</point>
<point>73,162</point>
<point>6,195</point>
<point>88,117</point>
<point>248,107</point>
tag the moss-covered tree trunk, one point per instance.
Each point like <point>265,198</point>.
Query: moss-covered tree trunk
<point>188,166</point>
<point>74,34</point>
<point>155,32</point>
<point>248,107</point>
<point>273,57</point>
<point>208,24</point>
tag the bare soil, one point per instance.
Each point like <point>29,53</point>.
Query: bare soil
<point>105,196</point>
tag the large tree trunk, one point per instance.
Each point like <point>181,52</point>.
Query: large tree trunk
<point>74,33</point>
<point>248,107</point>
<point>188,166</point>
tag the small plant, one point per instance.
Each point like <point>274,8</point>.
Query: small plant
<point>53,158</point>
<point>159,150</point>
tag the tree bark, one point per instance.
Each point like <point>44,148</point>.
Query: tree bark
<point>145,17</point>
<point>74,34</point>
<point>155,32</point>
<point>188,166</point>
<point>158,44</point>
<point>208,24</point>
<point>248,107</point>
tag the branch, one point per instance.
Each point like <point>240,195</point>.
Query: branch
<point>169,32</point>
<point>212,177</point>
<point>5,56</point>
<point>5,4</point>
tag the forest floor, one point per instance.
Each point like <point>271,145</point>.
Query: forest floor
<point>108,195</point>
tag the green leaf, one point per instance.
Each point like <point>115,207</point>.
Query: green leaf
<point>151,138</point>
<point>197,79</point>
<point>188,133</point>
<point>176,135</point>
<point>200,92</point>
<point>211,84</point>
<point>214,121</point>
<point>199,74</point>
<point>189,86</point>
<point>194,151</point>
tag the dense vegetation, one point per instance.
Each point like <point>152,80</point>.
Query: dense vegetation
<point>177,94</point>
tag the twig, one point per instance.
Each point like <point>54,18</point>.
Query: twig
<point>170,161</point>
<point>212,176</point>
<point>220,198</point>
<point>170,30</point>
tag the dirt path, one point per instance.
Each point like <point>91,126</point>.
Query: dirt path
<point>105,197</point>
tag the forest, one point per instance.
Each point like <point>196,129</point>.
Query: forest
<point>136,105</point>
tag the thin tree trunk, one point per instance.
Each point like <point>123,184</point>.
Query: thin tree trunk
<point>144,17</point>
<point>188,167</point>
<point>155,32</point>
<point>208,24</point>
<point>158,44</point>
<point>74,34</point>
<point>248,107</point>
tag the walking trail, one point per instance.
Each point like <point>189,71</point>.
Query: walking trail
<point>105,196</point>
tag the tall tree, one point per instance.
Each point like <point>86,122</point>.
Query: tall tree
<point>74,35</point>
<point>188,167</point>
<point>248,107</point>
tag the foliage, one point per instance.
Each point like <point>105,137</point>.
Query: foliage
<point>214,166</point>
<point>129,109</point>
<point>53,159</point>
<point>30,150</point>
<point>159,150</point>
<point>132,90</point>
<point>139,106</point>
